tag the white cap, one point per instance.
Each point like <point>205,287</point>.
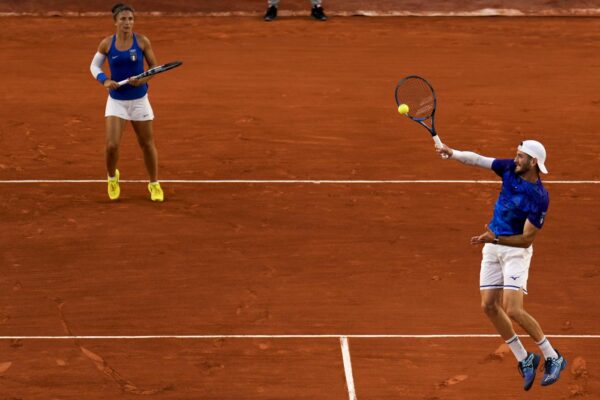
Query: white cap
<point>536,150</point>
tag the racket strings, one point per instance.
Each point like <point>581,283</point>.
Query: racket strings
<point>418,96</point>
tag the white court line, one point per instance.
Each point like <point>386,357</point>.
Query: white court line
<point>348,368</point>
<point>300,336</point>
<point>286,181</point>
<point>484,12</point>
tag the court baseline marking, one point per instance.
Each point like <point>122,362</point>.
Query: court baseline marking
<point>289,181</point>
<point>484,12</point>
<point>292,336</point>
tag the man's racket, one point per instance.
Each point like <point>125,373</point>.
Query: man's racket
<point>153,71</point>
<point>419,96</point>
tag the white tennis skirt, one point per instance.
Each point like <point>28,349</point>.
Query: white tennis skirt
<point>131,110</point>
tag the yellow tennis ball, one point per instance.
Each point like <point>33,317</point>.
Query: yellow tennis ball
<point>403,109</point>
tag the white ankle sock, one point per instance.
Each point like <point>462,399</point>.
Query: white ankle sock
<point>547,348</point>
<point>517,348</point>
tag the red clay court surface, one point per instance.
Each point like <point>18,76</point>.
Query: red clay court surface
<point>291,100</point>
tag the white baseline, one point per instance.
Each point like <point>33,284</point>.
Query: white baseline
<point>288,181</point>
<point>275,336</point>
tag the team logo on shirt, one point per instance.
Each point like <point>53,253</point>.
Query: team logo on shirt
<point>133,55</point>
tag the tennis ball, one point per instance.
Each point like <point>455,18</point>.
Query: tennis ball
<point>403,109</point>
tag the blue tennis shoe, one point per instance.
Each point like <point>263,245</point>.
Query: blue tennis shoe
<point>527,369</point>
<point>552,369</point>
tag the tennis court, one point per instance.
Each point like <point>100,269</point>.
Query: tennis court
<point>302,212</point>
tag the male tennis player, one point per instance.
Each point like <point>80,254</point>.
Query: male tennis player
<point>519,214</point>
<point>125,52</point>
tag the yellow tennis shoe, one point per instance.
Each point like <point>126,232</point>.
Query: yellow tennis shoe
<point>156,192</point>
<point>114,191</point>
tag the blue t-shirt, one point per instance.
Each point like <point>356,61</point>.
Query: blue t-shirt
<point>123,65</point>
<point>519,201</point>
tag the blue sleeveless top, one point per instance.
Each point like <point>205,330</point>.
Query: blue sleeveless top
<point>123,65</point>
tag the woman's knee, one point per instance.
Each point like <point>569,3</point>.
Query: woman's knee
<point>146,143</point>
<point>112,147</point>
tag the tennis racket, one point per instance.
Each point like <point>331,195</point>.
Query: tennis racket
<point>419,96</point>
<point>153,71</point>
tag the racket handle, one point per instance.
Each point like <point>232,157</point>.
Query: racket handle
<point>124,81</point>
<point>438,144</point>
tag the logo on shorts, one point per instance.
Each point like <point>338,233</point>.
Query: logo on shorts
<point>514,277</point>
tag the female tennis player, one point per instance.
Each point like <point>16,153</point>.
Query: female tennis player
<point>125,51</point>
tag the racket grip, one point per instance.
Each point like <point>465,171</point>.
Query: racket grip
<point>438,144</point>
<point>124,81</point>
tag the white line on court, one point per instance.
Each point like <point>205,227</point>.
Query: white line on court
<point>286,181</point>
<point>300,336</point>
<point>484,12</point>
<point>348,368</point>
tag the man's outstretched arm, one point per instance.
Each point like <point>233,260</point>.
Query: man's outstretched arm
<point>465,157</point>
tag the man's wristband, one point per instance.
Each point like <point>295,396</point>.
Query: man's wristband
<point>101,78</point>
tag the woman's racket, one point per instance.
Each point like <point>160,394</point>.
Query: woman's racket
<point>418,94</point>
<point>153,71</point>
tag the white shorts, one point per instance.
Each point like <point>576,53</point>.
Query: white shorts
<point>131,110</point>
<point>504,267</point>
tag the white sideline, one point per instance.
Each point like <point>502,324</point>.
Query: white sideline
<point>348,368</point>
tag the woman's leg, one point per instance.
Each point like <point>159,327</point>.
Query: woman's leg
<point>145,137</point>
<point>114,133</point>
